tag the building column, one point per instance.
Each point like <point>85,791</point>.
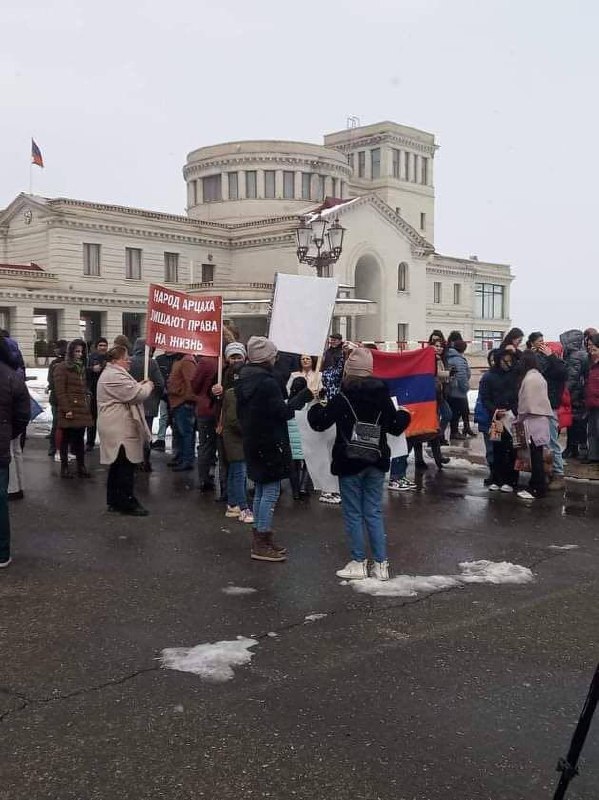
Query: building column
<point>112,325</point>
<point>69,318</point>
<point>241,184</point>
<point>21,329</point>
<point>387,162</point>
<point>199,191</point>
<point>298,185</point>
<point>224,185</point>
<point>278,184</point>
<point>260,184</point>
<point>190,194</point>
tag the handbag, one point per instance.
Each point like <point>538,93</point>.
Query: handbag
<point>365,442</point>
<point>495,429</point>
<point>518,435</point>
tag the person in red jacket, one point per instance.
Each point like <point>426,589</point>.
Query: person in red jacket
<point>592,400</point>
<point>206,414</point>
<point>182,402</point>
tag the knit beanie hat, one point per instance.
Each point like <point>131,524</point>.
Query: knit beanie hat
<point>359,363</point>
<point>235,349</point>
<point>261,350</point>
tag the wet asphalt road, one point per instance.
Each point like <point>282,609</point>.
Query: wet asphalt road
<point>469,693</point>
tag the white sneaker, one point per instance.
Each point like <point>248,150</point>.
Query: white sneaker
<point>233,512</point>
<point>330,498</point>
<point>246,516</point>
<point>525,495</point>
<point>354,571</point>
<point>493,487</point>
<point>507,488</point>
<point>57,457</point>
<point>380,570</point>
<point>5,563</point>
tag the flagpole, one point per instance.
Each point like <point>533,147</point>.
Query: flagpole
<point>30,173</point>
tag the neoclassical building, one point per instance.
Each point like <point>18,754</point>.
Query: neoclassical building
<point>70,267</point>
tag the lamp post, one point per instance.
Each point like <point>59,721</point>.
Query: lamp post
<point>319,244</point>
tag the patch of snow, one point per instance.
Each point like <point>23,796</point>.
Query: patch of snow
<point>272,634</point>
<point>238,590</point>
<point>405,585</point>
<point>563,546</point>
<point>463,463</point>
<point>494,572</point>
<point>313,617</point>
<point>470,572</point>
<point>213,662</point>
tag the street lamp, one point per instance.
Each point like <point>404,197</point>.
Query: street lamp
<point>319,244</point>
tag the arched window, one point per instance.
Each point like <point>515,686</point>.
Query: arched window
<point>402,277</point>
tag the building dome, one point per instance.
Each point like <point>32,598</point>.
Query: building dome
<point>261,179</point>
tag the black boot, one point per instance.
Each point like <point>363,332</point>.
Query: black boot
<point>64,470</point>
<point>571,451</point>
<point>419,461</point>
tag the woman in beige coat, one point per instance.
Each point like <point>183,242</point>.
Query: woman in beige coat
<point>122,428</point>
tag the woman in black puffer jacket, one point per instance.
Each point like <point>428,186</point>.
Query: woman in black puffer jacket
<point>364,399</point>
<point>577,362</point>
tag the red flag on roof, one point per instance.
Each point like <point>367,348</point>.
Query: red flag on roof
<point>36,155</point>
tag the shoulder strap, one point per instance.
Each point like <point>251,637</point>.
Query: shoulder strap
<point>354,413</point>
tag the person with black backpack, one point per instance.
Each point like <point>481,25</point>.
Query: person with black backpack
<point>364,414</point>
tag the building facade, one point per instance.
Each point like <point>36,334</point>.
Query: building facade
<point>71,267</point>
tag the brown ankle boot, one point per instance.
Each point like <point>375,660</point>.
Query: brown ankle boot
<point>274,545</point>
<point>262,550</point>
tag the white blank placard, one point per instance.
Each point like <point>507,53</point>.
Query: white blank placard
<point>302,310</point>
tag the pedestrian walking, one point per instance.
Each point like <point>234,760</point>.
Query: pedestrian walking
<point>457,389</point>
<point>263,413</point>
<point>15,410</point>
<point>232,437</point>
<point>60,352</point>
<point>555,372</point>
<point>207,409</point>
<point>95,364</point>
<point>165,362</point>
<point>577,363</point>
<point>152,404</point>
<point>182,401</point>
<point>73,402</point>
<point>123,430</point>
<point>363,413</point>
<point>535,412</point>
<point>592,400</point>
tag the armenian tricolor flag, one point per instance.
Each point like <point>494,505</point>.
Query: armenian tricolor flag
<point>36,155</point>
<point>410,378</point>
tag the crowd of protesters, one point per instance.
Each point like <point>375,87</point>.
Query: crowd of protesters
<point>241,424</point>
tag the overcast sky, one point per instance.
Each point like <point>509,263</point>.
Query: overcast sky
<point>117,93</point>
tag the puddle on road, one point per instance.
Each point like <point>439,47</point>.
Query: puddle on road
<point>580,505</point>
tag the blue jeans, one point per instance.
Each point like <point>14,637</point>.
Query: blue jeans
<point>4,518</point>
<point>362,506</point>
<point>488,449</point>
<point>184,420</point>
<point>445,415</point>
<point>265,500</point>
<point>399,467</point>
<point>558,461</point>
<point>162,421</point>
<point>236,478</point>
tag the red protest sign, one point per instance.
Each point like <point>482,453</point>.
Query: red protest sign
<point>184,323</point>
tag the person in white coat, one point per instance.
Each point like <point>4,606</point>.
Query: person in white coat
<point>123,429</point>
